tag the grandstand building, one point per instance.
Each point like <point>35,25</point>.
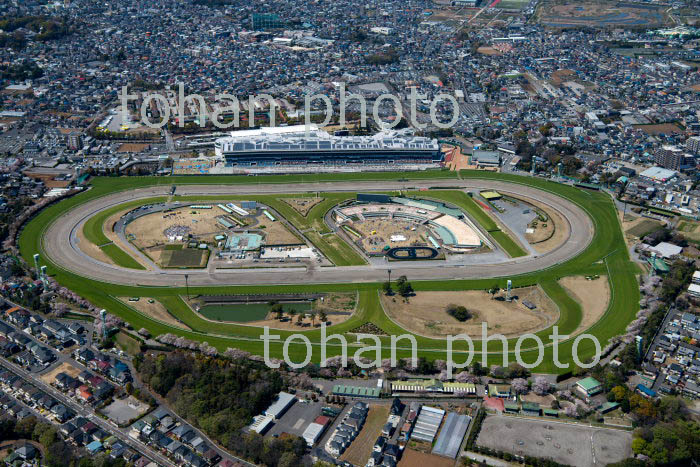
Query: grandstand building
<point>294,145</point>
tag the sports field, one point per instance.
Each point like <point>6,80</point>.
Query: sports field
<point>184,258</point>
<point>606,255</point>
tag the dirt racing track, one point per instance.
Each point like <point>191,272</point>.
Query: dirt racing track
<point>60,239</point>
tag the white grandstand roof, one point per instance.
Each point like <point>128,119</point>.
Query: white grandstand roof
<point>272,131</point>
<point>300,138</point>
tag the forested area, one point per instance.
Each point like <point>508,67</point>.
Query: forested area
<point>220,397</point>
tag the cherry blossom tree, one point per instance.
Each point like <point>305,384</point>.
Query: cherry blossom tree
<point>462,377</point>
<point>541,386</point>
<point>520,385</point>
<point>236,354</point>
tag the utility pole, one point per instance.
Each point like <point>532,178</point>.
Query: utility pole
<point>187,285</point>
<point>389,271</point>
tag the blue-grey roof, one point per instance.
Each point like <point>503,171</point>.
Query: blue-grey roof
<point>451,435</point>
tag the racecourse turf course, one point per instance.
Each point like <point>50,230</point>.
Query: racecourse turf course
<point>606,254</point>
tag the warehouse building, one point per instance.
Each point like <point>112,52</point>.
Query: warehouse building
<point>427,425</point>
<point>451,435</point>
<point>315,430</point>
<point>261,423</point>
<point>279,407</point>
<point>432,385</point>
<point>482,158</point>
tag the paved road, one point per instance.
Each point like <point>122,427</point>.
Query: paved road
<point>60,240</point>
<point>87,412</point>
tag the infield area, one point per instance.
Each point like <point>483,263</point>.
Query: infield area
<point>594,247</point>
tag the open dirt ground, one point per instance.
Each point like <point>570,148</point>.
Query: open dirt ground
<point>155,310</point>
<point>555,233</point>
<point>488,51</point>
<point>302,205</point>
<point>65,367</point>
<point>361,448</point>
<point>413,458</point>
<point>593,296</point>
<point>90,249</point>
<point>566,443</point>
<point>656,129</point>
<point>377,233</point>
<point>148,231</point>
<point>544,401</point>
<point>425,312</point>
<point>276,232</point>
<point>133,147</point>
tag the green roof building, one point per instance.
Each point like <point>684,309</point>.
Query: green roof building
<point>531,408</point>
<point>659,265</point>
<point>511,407</point>
<point>608,407</point>
<point>356,391</point>
<point>589,386</point>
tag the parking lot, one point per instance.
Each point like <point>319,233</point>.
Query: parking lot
<point>296,418</point>
<point>123,410</point>
<point>565,443</point>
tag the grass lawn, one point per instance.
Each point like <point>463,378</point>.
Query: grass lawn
<point>606,254</point>
<point>184,258</point>
<point>246,312</point>
<point>120,257</point>
<point>127,343</point>
<point>645,227</point>
<point>508,244</point>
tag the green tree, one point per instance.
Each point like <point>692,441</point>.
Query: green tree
<point>404,287</point>
<point>386,288</point>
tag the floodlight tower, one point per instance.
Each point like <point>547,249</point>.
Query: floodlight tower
<point>640,347</point>
<point>559,170</point>
<point>44,277</point>
<point>509,287</point>
<point>653,263</point>
<point>36,262</point>
<point>103,315</point>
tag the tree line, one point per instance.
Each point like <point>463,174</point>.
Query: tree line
<point>201,389</point>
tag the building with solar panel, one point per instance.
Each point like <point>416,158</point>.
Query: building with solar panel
<point>266,21</point>
<point>293,145</point>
